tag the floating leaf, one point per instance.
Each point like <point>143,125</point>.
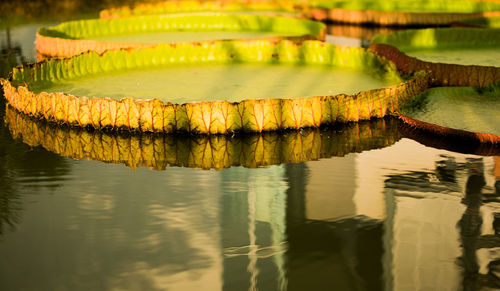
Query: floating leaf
<point>401,13</point>
<point>460,113</point>
<point>274,113</point>
<point>74,37</point>
<point>199,6</point>
<point>465,44</point>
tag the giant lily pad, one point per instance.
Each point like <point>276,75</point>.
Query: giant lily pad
<point>203,151</point>
<point>74,37</point>
<point>401,13</point>
<point>454,56</point>
<point>34,89</point>
<point>180,6</point>
<point>457,112</point>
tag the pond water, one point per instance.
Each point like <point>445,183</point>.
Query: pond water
<point>384,212</point>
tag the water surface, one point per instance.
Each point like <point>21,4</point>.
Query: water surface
<point>401,216</point>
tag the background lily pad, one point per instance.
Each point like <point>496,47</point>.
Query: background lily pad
<point>74,37</point>
<point>401,13</point>
<point>458,111</point>
<point>469,45</point>
<point>198,6</point>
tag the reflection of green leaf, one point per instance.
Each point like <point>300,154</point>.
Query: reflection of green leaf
<point>204,151</point>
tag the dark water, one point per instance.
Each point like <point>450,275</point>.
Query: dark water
<point>371,209</point>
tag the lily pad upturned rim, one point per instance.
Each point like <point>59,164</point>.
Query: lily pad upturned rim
<point>448,133</point>
<point>333,11</point>
<point>391,46</point>
<point>176,6</point>
<point>449,143</point>
<point>211,117</point>
<point>158,151</point>
<point>451,134</point>
<point>70,38</point>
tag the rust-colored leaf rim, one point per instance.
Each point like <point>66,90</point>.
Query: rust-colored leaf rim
<point>211,117</point>
<point>180,6</point>
<point>74,37</point>
<point>449,143</point>
<point>482,22</point>
<point>158,151</point>
<point>387,13</point>
<point>450,133</point>
<point>392,47</point>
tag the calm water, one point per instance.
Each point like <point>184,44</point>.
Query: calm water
<point>376,210</point>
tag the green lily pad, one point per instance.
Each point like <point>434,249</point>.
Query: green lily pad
<point>464,108</point>
<point>459,56</point>
<point>455,56</point>
<point>459,6</point>
<point>187,36</point>
<point>401,13</point>
<point>216,87</point>
<point>181,84</point>
<point>74,37</point>
<point>391,12</point>
<point>436,44</point>
<point>183,6</point>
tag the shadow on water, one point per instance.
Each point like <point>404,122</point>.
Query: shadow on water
<point>470,233</point>
<point>344,254</point>
<point>10,55</point>
<point>479,260</point>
